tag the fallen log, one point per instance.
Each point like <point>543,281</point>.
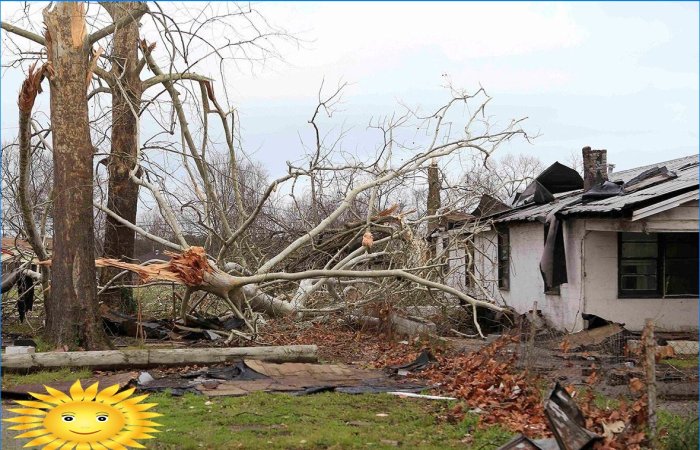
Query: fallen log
<point>113,359</point>
<point>411,326</point>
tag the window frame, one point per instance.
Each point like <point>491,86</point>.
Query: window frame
<point>660,291</point>
<point>469,253</point>
<point>503,233</point>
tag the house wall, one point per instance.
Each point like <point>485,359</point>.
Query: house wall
<point>670,314</point>
<point>591,254</point>
<point>526,284</point>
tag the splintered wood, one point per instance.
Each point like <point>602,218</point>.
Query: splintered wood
<point>31,86</point>
<point>188,267</point>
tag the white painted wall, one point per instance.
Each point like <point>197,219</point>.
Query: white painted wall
<point>526,284</point>
<point>593,242</point>
<point>670,314</point>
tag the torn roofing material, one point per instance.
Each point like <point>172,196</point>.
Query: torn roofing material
<point>555,179</point>
<point>664,186</point>
<point>559,178</point>
<point>489,205</point>
<point>535,193</point>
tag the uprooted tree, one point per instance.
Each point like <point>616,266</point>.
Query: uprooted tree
<point>335,222</point>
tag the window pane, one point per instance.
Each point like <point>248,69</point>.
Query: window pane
<point>503,259</point>
<point>681,277</point>
<point>638,282</point>
<point>638,267</point>
<point>638,275</point>
<point>681,245</point>
<point>639,250</point>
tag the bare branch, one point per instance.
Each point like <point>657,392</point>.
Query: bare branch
<point>23,33</point>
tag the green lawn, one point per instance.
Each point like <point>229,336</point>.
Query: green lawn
<point>328,420</point>
<point>684,363</point>
<point>45,376</point>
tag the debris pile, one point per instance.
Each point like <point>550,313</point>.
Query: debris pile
<point>623,426</point>
<point>485,380</point>
<point>339,342</point>
<point>490,385</point>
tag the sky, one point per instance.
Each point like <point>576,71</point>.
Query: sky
<point>620,76</point>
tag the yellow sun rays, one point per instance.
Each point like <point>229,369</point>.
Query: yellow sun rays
<point>45,422</point>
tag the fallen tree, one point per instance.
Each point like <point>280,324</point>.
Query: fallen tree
<point>253,253</point>
<point>119,359</point>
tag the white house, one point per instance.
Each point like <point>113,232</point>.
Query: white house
<point>624,249</point>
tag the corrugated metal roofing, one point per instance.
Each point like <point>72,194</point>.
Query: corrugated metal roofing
<point>686,168</point>
<point>674,164</point>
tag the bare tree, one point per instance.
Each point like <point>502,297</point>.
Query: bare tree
<point>500,177</point>
<point>342,214</point>
<point>126,90</point>
<point>72,314</point>
<point>194,269</point>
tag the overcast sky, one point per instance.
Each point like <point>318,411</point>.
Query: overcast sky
<point>621,76</point>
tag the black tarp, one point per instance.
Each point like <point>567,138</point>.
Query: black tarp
<point>554,179</point>
<point>536,193</point>
<point>560,178</point>
<point>602,189</point>
<point>553,261</point>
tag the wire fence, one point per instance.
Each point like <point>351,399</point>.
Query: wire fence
<point>617,363</point>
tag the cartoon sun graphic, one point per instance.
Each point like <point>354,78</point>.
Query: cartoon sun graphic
<point>85,420</point>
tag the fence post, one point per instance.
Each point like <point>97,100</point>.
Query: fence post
<point>530,360</point>
<point>650,371</point>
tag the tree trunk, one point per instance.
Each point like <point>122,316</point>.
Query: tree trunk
<point>120,359</point>
<point>71,316</point>
<point>433,196</point>
<point>122,194</point>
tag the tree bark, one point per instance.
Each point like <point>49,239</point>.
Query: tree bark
<point>112,359</point>
<point>30,88</point>
<point>433,196</point>
<point>123,193</point>
<point>71,316</point>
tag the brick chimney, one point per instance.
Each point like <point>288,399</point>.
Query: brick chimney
<point>594,162</point>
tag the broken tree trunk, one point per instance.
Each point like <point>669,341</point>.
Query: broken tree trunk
<point>193,269</point>
<point>71,316</point>
<point>115,359</point>
<point>123,193</point>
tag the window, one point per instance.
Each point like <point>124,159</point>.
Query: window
<point>658,265</point>
<point>469,262</point>
<point>504,259</point>
<point>445,257</point>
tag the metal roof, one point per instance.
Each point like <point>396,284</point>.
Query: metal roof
<point>674,164</point>
<point>570,203</point>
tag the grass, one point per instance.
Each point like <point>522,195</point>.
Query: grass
<point>45,376</point>
<point>327,420</point>
<point>686,363</point>
<point>676,432</point>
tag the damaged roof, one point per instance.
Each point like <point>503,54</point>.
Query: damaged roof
<point>571,203</point>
